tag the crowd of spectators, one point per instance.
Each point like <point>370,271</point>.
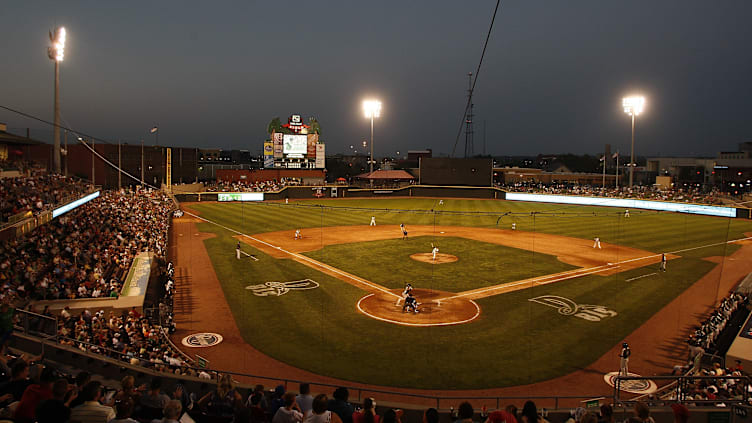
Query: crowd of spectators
<point>704,336</point>
<point>679,195</point>
<point>36,193</point>
<point>255,186</point>
<point>130,336</point>
<point>88,251</point>
<point>31,391</point>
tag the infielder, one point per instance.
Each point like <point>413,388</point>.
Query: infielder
<point>624,359</point>
<point>237,251</point>
<point>514,226</point>
<point>663,262</point>
<point>626,213</point>
<point>297,234</point>
<point>597,243</point>
<point>434,252</point>
<point>404,230</point>
<point>407,291</point>
<point>373,221</point>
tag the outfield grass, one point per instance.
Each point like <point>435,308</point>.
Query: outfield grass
<point>515,341</point>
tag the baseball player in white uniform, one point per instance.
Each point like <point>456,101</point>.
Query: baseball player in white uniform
<point>404,230</point>
<point>373,221</point>
<point>514,226</point>
<point>408,289</point>
<point>297,234</point>
<point>597,242</point>
<point>434,252</point>
<point>441,202</point>
<point>626,213</point>
<point>237,251</point>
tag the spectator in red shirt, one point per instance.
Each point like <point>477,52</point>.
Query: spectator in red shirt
<point>34,394</point>
<point>368,414</point>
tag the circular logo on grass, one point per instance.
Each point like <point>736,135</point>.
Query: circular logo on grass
<point>204,339</point>
<point>641,386</point>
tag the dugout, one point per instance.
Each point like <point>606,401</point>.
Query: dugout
<point>450,171</point>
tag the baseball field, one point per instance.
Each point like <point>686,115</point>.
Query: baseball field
<point>518,294</point>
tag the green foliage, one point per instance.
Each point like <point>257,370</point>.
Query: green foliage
<point>274,126</point>
<point>315,127</point>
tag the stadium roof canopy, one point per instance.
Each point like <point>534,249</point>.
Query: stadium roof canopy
<point>8,138</point>
<point>392,175</point>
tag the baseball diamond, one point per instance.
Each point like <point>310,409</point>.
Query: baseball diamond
<point>483,294</point>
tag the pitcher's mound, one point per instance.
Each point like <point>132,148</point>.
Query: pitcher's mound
<point>428,258</point>
<point>436,308</point>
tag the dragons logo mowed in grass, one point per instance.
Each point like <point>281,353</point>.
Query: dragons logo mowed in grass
<point>567,307</point>
<point>281,288</point>
<point>204,339</point>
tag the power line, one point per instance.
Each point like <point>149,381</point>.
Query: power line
<point>477,71</point>
<point>89,147</point>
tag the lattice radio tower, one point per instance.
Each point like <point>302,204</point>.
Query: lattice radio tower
<point>469,118</point>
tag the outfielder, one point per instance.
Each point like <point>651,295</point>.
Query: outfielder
<point>441,202</point>
<point>514,226</point>
<point>624,359</point>
<point>407,291</point>
<point>373,221</point>
<point>626,213</point>
<point>597,242</point>
<point>237,251</point>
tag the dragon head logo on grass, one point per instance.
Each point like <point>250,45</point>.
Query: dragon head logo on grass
<point>281,288</point>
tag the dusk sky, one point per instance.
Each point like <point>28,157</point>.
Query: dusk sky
<point>213,74</point>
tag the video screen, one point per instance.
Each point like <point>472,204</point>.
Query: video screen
<point>295,144</point>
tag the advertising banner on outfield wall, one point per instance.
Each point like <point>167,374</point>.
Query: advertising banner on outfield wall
<point>268,149</point>
<point>320,156</point>
<point>268,162</point>
<point>240,196</point>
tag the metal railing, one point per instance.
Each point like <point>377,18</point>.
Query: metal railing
<point>677,390</point>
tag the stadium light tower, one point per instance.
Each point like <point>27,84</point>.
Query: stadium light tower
<point>56,53</point>
<point>372,109</point>
<point>633,106</point>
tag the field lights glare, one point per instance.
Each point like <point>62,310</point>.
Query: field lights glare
<point>57,51</point>
<point>372,108</point>
<point>633,106</point>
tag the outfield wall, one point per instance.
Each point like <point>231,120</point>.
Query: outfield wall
<point>339,191</point>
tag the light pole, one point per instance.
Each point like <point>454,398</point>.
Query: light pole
<point>372,109</point>
<point>633,106</point>
<point>56,53</point>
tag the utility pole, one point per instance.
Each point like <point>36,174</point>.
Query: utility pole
<point>120,167</point>
<point>142,163</point>
<point>67,153</point>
